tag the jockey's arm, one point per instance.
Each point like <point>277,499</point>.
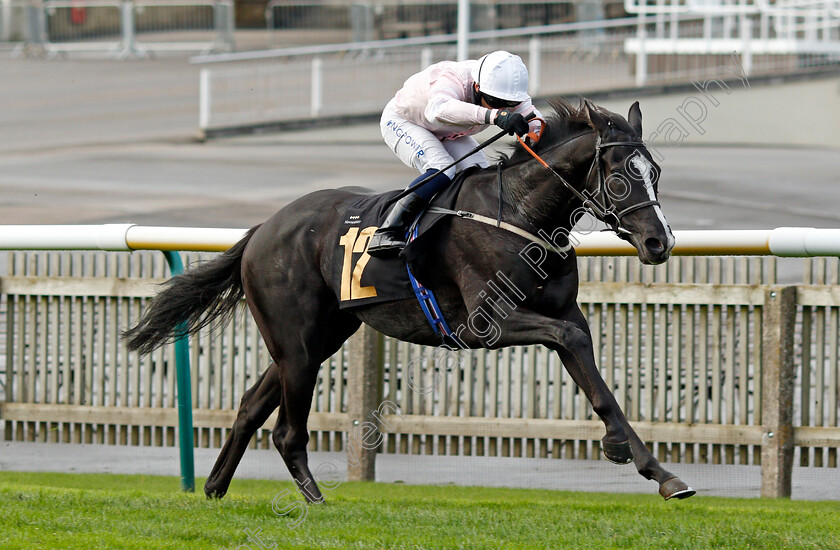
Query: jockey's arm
<point>445,107</point>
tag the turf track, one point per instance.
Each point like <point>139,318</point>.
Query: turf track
<point>109,511</point>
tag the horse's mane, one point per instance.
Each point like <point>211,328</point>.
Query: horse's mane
<point>565,122</point>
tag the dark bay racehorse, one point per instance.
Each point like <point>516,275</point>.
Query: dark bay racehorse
<point>280,267</point>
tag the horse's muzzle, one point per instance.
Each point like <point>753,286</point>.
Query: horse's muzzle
<point>654,251</point>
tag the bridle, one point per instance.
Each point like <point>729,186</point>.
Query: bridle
<point>599,207</point>
<point>598,204</point>
<point>607,214</point>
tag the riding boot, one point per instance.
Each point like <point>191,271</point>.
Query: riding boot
<point>389,239</point>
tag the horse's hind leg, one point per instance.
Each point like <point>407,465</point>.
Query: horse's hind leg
<point>301,324</point>
<point>298,378</point>
<point>291,435</point>
<point>254,409</point>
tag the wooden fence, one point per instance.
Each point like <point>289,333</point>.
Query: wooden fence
<point>707,356</point>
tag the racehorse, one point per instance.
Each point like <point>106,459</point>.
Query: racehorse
<point>594,160</point>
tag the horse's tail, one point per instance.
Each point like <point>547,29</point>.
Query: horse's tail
<point>191,301</point>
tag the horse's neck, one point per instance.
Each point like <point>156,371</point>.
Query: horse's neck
<point>535,196</point>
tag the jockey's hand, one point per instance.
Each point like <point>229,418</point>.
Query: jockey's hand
<point>512,123</point>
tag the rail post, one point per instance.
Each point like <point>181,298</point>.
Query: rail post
<point>777,376</point>
<point>128,28</point>
<point>36,25</point>
<point>462,46</point>
<point>426,57</point>
<point>316,102</point>
<point>364,394</point>
<point>204,100</point>
<point>182,367</point>
<point>534,64</point>
<point>641,55</point>
<point>223,22</point>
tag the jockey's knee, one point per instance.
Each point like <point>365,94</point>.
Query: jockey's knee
<point>438,183</point>
<point>439,165</point>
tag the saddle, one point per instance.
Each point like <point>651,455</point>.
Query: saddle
<point>359,279</point>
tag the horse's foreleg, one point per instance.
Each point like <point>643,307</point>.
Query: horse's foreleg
<point>572,341</point>
<point>254,409</point>
<point>670,486</point>
<point>571,338</point>
<point>575,350</point>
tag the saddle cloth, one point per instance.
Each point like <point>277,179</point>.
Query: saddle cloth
<point>359,279</point>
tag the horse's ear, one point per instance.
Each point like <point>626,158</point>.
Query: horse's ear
<point>634,117</point>
<point>599,121</point>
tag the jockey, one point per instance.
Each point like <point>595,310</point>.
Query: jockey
<point>430,122</point>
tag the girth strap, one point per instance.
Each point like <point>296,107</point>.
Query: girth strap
<point>428,302</point>
<point>561,250</point>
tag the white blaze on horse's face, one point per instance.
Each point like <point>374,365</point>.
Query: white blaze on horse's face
<point>645,169</point>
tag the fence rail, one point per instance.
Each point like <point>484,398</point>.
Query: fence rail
<point>685,347</point>
<point>121,28</point>
<point>691,42</point>
<point>388,19</point>
<point>562,58</point>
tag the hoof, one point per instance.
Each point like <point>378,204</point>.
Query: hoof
<point>214,493</point>
<point>311,493</point>
<point>617,453</point>
<point>675,488</point>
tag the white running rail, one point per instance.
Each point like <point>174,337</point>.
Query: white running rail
<point>800,242</point>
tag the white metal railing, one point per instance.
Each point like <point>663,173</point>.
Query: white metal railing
<point>784,18</point>
<point>366,20</point>
<point>748,27</point>
<point>581,31</point>
<point>125,28</point>
<point>785,242</point>
<point>360,77</point>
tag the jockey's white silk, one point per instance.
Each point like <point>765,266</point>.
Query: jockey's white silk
<point>433,114</point>
<point>440,99</point>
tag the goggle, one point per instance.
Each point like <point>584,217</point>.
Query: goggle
<point>497,103</point>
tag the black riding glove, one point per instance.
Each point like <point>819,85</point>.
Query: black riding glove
<point>512,123</point>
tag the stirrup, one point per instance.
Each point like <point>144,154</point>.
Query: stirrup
<point>385,244</point>
<point>389,239</point>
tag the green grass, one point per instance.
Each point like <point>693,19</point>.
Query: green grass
<point>110,511</point>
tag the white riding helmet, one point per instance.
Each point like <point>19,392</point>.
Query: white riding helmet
<point>503,75</point>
